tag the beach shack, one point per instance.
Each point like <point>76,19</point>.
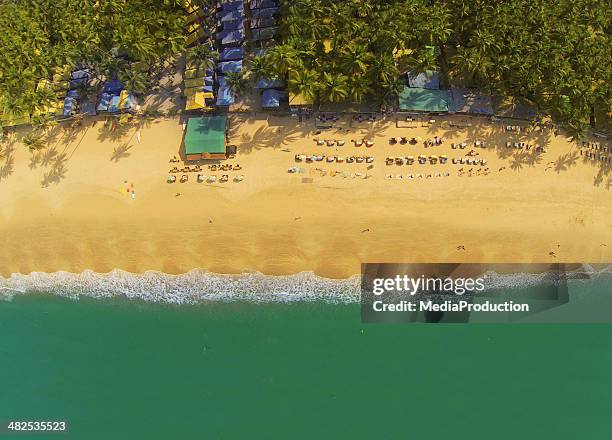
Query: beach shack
<point>205,138</point>
<point>424,100</point>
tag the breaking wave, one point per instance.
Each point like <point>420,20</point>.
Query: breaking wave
<point>192,287</point>
<point>198,286</point>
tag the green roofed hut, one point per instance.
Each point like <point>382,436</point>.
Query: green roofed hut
<point>205,138</point>
<point>424,100</point>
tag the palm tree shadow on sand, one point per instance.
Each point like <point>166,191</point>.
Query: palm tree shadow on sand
<point>565,162</point>
<point>8,167</point>
<point>56,173</point>
<point>121,152</point>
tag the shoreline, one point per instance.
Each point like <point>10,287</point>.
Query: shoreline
<point>200,287</point>
<point>63,208</point>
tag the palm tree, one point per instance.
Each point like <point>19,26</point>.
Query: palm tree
<point>260,67</point>
<point>282,58</point>
<point>354,59</point>
<point>203,56</point>
<point>334,87</point>
<point>134,81</point>
<point>359,87</point>
<point>306,83</point>
<point>236,82</point>
<point>43,122</point>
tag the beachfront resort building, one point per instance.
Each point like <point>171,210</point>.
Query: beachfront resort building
<point>205,138</point>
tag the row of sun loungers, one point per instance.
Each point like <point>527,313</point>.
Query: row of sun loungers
<point>342,174</point>
<point>327,118</point>
<point>514,128</point>
<point>201,178</point>
<point>409,160</point>
<point>403,141</point>
<point>523,145</point>
<point>338,159</point>
<point>463,145</point>
<point>341,143</point>
<point>369,117</point>
<point>330,142</point>
<point>417,176</point>
<point>596,156</point>
<point>198,168</point>
<point>413,141</point>
<point>597,147</point>
<point>225,167</point>
<point>469,161</point>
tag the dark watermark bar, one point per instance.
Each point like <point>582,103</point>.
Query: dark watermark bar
<point>486,293</point>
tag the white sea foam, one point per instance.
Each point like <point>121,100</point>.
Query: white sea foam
<point>199,286</point>
<point>192,287</point>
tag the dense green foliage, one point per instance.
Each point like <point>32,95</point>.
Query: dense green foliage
<point>553,53</point>
<point>40,36</point>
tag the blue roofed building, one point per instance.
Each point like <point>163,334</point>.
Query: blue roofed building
<point>262,4</point>
<point>229,66</point>
<point>263,13</point>
<point>267,83</point>
<point>429,79</point>
<point>271,98</point>
<point>231,54</point>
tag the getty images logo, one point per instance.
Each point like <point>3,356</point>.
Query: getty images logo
<point>412,286</point>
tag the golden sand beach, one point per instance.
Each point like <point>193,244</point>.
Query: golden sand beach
<point>67,207</point>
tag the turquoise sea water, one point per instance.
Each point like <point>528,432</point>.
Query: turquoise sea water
<point>126,369</point>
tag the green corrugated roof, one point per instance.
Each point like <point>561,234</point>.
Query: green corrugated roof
<point>205,135</point>
<point>426,100</point>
